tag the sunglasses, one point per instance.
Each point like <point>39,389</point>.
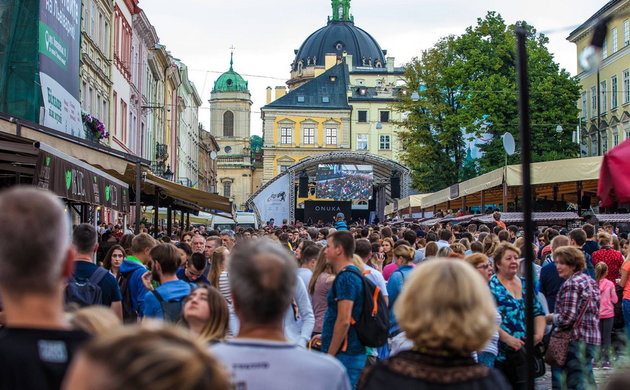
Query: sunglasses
<point>483,266</point>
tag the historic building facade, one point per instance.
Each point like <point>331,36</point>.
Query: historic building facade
<point>188,135</point>
<point>370,83</point>
<point>230,119</point>
<point>95,65</point>
<point>606,90</point>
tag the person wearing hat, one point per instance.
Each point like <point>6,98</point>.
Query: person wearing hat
<point>340,224</point>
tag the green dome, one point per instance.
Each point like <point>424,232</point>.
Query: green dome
<point>230,81</point>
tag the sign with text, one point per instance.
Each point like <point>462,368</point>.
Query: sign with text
<point>76,183</point>
<point>59,51</point>
<point>273,201</point>
<point>316,210</point>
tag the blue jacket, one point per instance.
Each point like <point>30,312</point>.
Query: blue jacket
<point>341,225</point>
<point>394,288</point>
<point>137,289</point>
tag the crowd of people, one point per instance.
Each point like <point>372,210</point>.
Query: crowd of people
<point>366,307</point>
<point>348,186</point>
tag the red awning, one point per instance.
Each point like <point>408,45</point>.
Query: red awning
<point>614,176</point>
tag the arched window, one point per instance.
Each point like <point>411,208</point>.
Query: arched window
<point>228,124</point>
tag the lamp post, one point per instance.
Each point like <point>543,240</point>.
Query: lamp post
<point>168,174</point>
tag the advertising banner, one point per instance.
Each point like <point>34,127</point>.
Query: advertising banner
<point>59,50</point>
<point>316,210</point>
<point>78,183</point>
<point>273,201</point>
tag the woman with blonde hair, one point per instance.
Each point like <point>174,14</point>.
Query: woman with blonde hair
<point>218,275</point>
<point>206,314</point>
<point>509,291</point>
<point>150,357</point>
<point>96,320</point>
<point>447,322</point>
<point>321,282</point>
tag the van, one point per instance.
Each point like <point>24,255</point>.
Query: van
<point>243,219</point>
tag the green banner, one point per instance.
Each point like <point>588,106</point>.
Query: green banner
<point>52,46</point>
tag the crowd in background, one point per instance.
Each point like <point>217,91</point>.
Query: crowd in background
<point>328,307</point>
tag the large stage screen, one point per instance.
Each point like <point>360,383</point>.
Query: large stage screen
<point>344,182</point>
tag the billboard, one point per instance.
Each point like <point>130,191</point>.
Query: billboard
<point>325,211</point>
<point>273,201</point>
<point>59,48</point>
<point>344,182</point>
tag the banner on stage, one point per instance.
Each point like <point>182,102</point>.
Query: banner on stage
<point>273,201</point>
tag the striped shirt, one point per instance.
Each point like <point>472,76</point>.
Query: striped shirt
<point>224,286</point>
<point>579,290</point>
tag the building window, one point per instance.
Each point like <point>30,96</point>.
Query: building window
<point>613,87</point>
<point>626,32</point>
<point>228,124</point>
<point>626,86</point>
<point>605,49</point>
<point>384,116</point>
<point>613,36</point>
<point>331,136</point>
<point>615,137</point>
<point>227,189</point>
<point>584,105</point>
<point>283,168</point>
<point>384,144</point>
<point>362,116</point>
<point>286,134</point>
<point>362,142</point>
<point>308,136</point>
<point>602,91</point>
<point>593,101</point>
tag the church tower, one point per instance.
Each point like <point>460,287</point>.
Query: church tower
<point>230,117</point>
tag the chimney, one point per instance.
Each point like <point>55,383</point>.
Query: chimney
<point>268,95</point>
<point>330,60</point>
<point>280,91</point>
<point>390,64</point>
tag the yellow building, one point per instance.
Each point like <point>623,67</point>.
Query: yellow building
<point>612,98</point>
<point>312,119</point>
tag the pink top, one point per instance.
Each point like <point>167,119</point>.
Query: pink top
<point>389,269</point>
<point>607,299</point>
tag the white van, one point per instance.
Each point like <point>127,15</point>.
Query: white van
<point>243,219</point>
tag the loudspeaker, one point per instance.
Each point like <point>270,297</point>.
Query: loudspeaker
<point>585,202</point>
<point>395,186</point>
<point>303,188</point>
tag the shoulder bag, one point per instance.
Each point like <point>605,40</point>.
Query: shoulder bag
<point>558,348</point>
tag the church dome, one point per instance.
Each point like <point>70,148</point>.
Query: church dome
<point>339,36</point>
<point>230,81</point>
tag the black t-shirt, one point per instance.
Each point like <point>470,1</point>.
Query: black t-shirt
<point>109,285</point>
<point>36,358</point>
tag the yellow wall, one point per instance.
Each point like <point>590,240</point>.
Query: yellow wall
<point>297,131</point>
<point>614,63</point>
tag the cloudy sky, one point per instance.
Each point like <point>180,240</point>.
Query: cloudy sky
<point>265,32</point>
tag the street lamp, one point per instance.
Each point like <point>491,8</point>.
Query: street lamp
<point>559,129</point>
<point>168,174</point>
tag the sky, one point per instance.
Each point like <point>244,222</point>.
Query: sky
<point>265,33</point>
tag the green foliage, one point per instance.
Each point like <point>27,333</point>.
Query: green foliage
<point>465,78</point>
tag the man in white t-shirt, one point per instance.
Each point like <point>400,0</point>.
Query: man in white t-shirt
<point>363,249</point>
<point>262,279</point>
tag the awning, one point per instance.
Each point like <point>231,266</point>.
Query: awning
<point>64,175</point>
<point>75,180</point>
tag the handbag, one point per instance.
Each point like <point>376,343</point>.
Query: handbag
<point>558,348</point>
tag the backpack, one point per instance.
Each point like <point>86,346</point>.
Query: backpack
<point>86,292</point>
<point>130,316</point>
<point>373,325</point>
<point>172,309</point>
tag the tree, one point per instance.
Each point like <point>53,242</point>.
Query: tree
<point>465,87</point>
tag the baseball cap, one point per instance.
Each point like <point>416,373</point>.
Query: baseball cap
<point>340,215</point>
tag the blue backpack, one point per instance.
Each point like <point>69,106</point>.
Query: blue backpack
<point>172,309</point>
<point>86,292</point>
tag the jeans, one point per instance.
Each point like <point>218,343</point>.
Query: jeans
<point>605,330</point>
<point>577,372</point>
<point>625,307</point>
<point>354,364</point>
<point>486,358</point>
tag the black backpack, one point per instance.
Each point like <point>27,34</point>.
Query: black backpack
<point>172,309</point>
<point>130,316</point>
<point>86,292</point>
<point>373,325</point>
